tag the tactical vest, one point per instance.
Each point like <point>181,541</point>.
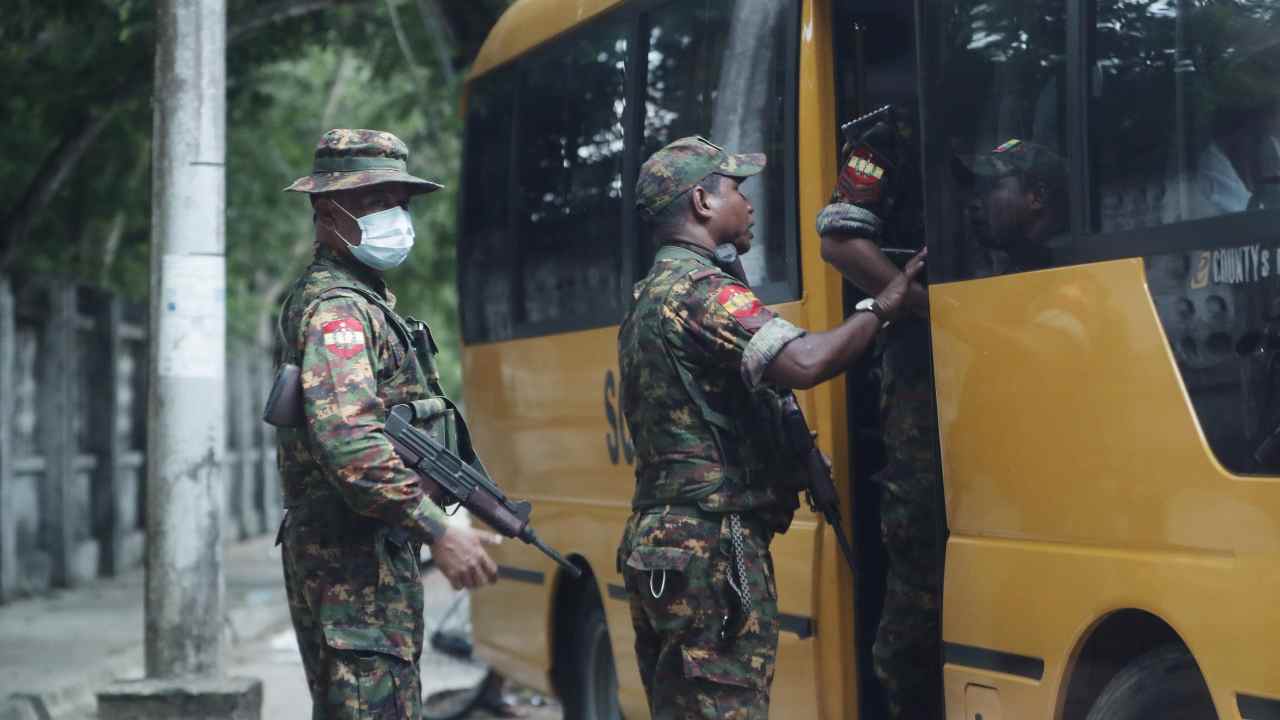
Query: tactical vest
<point>415,381</point>
<point>734,474</point>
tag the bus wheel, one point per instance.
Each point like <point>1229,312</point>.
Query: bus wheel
<point>590,681</point>
<point>1165,683</point>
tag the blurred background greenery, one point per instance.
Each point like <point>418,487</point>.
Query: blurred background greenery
<point>75,174</point>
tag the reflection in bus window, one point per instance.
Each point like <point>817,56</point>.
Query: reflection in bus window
<point>537,249</point>
<point>998,68</point>
<point>486,265</point>
<point>569,154</point>
<point>1186,111</point>
<point>1185,125</point>
<point>729,86</point>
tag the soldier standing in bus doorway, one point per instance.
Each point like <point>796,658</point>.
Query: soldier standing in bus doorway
<point>698,354</point>
<point>356,517</point>
<point>908,645</point>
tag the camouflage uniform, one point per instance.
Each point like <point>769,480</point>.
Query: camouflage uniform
<point>356,517</point>
<point>692,351</point>
<point>908,645</point>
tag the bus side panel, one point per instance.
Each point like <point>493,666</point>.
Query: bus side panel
<point>1078,482</point>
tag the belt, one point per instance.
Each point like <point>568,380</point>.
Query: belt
<point>749,518</point>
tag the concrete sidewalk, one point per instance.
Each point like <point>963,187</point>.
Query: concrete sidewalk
<point>58,650</point>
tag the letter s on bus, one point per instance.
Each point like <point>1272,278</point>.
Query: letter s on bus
<point>616,440</point>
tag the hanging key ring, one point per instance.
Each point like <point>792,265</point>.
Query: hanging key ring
<point>657,593</point>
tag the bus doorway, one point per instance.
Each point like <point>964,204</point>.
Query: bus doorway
<point>874,46</point>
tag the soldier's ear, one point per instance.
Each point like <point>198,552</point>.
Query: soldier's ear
<point>702,202</point>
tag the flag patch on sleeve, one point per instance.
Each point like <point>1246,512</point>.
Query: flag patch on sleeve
<point>344,338</point>
<point>744,306</point>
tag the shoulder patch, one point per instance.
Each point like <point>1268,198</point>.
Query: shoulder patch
<point>344,337</point>
<point>740,302</point>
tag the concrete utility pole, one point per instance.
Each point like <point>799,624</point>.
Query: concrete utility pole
<point>187,379</point>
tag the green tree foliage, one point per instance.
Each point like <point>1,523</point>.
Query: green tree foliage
<point>75,187</point>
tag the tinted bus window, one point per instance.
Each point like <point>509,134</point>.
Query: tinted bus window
<point>538,248</point>
<point>720,69</point>
<point>1185,126</point>
<point>1186,111</point>
<point>997,72</point>
<point>487,264</point>
<point>569,151</point>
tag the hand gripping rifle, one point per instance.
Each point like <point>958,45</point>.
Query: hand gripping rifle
<point>446,475</point>
<point>817,472</point>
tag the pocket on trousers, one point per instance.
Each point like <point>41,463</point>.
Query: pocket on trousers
<point>373,686</point>
<point>365,640</point>
<point>731,666</point>
<point>660,575</point>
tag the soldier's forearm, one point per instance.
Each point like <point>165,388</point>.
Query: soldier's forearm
<point>862,263</point>
<point>817,357</point>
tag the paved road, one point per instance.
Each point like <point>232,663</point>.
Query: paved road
<point>275,660</point>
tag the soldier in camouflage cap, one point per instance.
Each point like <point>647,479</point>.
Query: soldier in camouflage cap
<point>699,353</point>
<point>356,517</point>
<point>676,168</point>
<point>1023,187</point>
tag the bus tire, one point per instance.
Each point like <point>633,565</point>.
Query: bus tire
<point>590,680</point>
<point>1164,683</point>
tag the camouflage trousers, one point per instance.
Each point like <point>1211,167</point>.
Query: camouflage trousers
<point>676,563</point>
<point>908,646</point>
<point>356,604</point>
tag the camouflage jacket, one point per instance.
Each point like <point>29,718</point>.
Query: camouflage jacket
<point>694,324</point>
<point>355,367</point>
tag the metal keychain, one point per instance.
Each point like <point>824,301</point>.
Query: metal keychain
<point>741,588</point>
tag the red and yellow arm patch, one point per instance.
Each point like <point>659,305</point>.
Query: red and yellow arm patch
<point>744,306</point>
<point>344,337</point>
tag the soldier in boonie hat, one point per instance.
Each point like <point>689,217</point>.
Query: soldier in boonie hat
<point>1024,190</point>
<point>346,490</point>
<point>347,159</point>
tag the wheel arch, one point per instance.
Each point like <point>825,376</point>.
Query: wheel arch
<point>1104,649</point>
<point>567,594</point>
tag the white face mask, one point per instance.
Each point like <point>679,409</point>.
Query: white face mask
<point>386,237</point>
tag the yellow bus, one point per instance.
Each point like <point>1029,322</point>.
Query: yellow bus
<point>1108,418</point>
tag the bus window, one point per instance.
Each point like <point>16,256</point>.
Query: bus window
<point>1185,120</point>
<point>997,72</point>
<point>486,264</point>
<point>569,156</point>
<point>721,69</point>
<point>1185,135</point>
<point>542,195</point>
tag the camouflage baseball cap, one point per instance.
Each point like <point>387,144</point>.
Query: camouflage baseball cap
<point>676,168</point>
<point>348,159</point>
<point>1019,157</point>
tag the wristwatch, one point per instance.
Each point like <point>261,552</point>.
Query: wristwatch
<point>870,305</point>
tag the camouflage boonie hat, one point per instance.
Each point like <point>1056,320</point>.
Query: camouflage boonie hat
<point>348,159</point>
<point>676,168</point>
<point>1019,157</point>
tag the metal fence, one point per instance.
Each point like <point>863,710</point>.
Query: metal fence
<point>73,408</point>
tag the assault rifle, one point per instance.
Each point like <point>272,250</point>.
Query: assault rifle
<point>817,472</point>
<point>447,476</point>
